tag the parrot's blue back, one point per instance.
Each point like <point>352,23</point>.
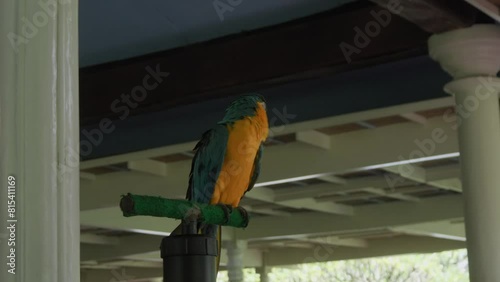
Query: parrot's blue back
<point>207,164</point>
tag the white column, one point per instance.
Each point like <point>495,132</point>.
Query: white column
<point>235,251</point>
<point>472,57</point>
<point>39,134</point>
<point>263,272</point>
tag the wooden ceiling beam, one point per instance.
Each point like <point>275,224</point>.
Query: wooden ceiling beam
<point>434,16</point>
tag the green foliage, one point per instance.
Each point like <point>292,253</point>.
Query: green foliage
<point>449,266</point>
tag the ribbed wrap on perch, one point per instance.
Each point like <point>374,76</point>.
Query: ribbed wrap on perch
<point>134,205</point>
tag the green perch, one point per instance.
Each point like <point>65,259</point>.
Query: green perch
<point>133,205</point>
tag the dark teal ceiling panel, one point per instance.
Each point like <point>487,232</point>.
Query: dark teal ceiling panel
<point>117,29</point>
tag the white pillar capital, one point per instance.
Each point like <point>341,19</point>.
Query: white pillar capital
<point>472,57</point>
<point>479,86</point>
<point>467,52</point>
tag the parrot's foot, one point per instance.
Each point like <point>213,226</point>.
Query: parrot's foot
<point>189,227</point>
<point>228,209</point>
<point>244,214</point>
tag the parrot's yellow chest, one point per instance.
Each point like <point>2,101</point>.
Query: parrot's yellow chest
<point>245,138</point>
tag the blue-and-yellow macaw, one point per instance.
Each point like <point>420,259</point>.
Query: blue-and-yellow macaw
<point>227,159</point>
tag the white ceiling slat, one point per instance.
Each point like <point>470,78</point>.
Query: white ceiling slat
<point>419,174</point>
<point>314,138</point>
<point>365,217</point>
<point>398,196</point>
<point>317,190</point>
<point>87,176</point>
<point>451,171</point>
<point>333,179</point>
<point>415,118</point>
<point>440,229</point>
<point>336,241</point>
<point>148,166</point>
<point>268,195</point>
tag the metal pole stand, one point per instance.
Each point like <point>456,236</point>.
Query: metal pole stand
<point>189,258</point>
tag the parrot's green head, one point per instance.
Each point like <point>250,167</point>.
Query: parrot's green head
<point>244,106</point>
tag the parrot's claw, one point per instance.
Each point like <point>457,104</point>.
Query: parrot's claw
<point>227,211</point>
<point>244,214</point>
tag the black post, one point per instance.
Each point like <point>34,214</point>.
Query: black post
<point>189,258</point>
